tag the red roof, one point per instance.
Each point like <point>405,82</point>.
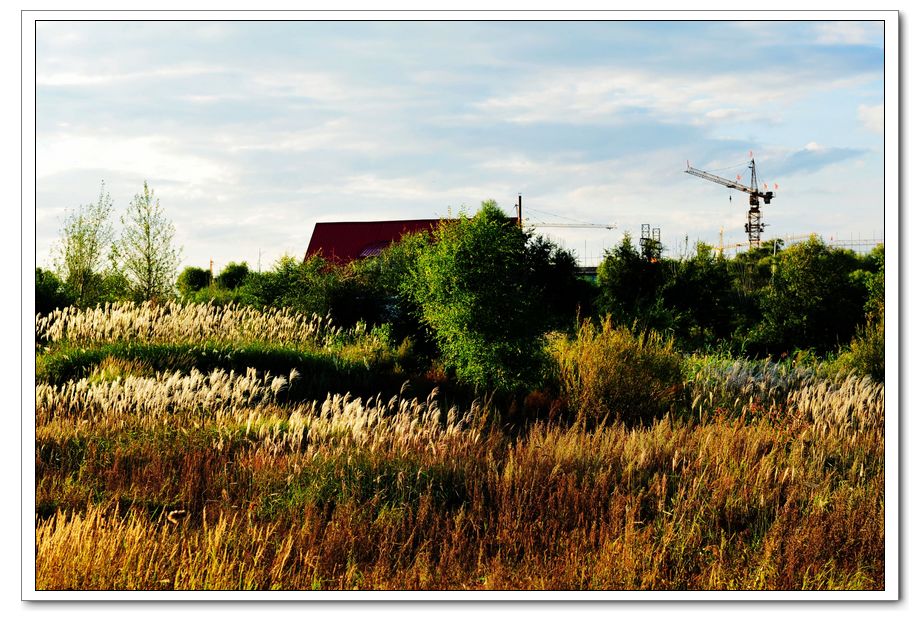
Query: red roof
<point>343,242</point>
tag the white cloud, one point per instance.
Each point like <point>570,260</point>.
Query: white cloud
<point>604,95</point>
<point>83,78</point>
<point>873,117</point>
<point>145,156</point>
<point>337,135</point>
<point>843,33</point>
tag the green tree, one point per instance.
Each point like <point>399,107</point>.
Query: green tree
<point>553,272</point>
<point>233,275</point>
<point>193,279</point>
<point>475,293</point>
<point>146,250</point>
<point>698,294</point>
<point>50,292</point>
<point>865,354</point>
<point>815,301</point>
<point>81,253</point>
<point>305,286</point>
<point>629,284</point>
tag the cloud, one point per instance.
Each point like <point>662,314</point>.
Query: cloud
<point>145,156</point>
<point>277,126</point>
<point>78,78</point>
<point>844,33</point>
<point>613,96</point>
<point>873,117</point>
<point>811,158</point>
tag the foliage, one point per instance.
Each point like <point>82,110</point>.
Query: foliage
<point>50,292</point>
<point>475,291</point>
<point>608,374</point>
<point>205,447</point>
<point>146,250</point>
<point>85,242</point>
<point>815,300</point>
<point>233,275</point>
<point>553,272</point>
<point>629,286</point>
<point>381,294</point>
<point>232,493</point>
<point>698,295</point>
<point>192,279</point>
<point>865,354</point>
<point>303,286</point>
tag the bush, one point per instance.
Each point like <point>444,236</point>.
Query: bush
<point>816,299</point>
<point>474,289</point>
<point>866,353</point>
<point>303,286</point>
<point>50,292</point>
<point>607,373</point>
<point>193,279</point>
<point>233,275</point>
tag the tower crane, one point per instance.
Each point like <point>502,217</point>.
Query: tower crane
<point>557,225</point>
<point>754,227</point>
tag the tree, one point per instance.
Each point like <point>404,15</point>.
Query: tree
<point>816,299</point>
<point>475,293</point>
<point>698,294</point>
<point>629,284</point>
<point>86,239</point>
<point>554,273</point>
<point>50,292</point>
<point>193,279</point>
<point>305,286</point>
<point>233,275</point>
<point>146,249</point>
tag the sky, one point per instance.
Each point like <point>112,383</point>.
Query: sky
<point>251,132</point>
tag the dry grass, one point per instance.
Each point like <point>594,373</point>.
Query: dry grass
<point>351,493</point>
<point>191,323</point>
<point>751,476</point>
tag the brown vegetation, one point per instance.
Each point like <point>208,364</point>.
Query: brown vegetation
<point>190,492</point>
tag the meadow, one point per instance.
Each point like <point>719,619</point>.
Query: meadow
<point>221,447</point>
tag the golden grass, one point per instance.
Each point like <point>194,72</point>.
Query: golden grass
<point>350,493</point>
<point>745,475</point>
<point>186,323</point>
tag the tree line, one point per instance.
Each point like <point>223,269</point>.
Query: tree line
<point>480,293</point>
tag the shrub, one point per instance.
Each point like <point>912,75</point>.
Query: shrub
<point>50,292</point>
<point>303,286</point>
<point>233,275</point>
<point>815,300</point>
<point>866,353</point>
<point>475,292</point>
<point>607,373</point>
<point>193,279</point>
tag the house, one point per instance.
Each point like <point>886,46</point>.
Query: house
<point>344,242</point>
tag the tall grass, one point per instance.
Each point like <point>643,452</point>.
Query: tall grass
<point>191,323</point>
<point>741,475</point>
<point>398,493</point>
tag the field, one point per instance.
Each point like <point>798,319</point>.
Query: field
<point>197,447</point>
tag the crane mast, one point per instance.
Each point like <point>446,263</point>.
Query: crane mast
<point>754,226</point>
